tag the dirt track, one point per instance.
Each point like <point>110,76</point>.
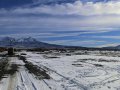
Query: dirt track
<point>22,79</point>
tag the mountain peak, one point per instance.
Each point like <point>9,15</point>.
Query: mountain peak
<point>27,39</point>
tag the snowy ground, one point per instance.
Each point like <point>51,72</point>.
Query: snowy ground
<point>78,70</point>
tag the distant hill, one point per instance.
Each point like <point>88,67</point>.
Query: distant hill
<point>113,47</point>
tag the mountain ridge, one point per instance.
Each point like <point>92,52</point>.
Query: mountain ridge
<point>112,47</point>
<point>28,42</point>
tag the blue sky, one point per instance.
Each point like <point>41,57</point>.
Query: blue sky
<point>91,23</point>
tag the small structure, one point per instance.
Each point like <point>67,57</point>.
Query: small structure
<point>10,51</point>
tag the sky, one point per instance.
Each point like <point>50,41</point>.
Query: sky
<point>90,23</point>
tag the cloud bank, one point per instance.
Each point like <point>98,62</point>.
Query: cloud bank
<point>76,8</point>
<point>99,17</point>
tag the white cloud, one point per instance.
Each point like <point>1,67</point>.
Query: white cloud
<point>47,35</point>
<point>77,8</point>
<point>108,37</point>
<point>76,16</point>
<point>98,23</point>
<point>87,43</point>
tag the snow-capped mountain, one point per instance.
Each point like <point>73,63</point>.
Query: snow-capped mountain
<point>29,39</point>
<point>25,43</point>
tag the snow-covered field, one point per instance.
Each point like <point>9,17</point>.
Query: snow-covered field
<point>75,70</point>
<point>94,71</point>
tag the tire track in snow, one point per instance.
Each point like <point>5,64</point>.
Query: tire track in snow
<point>72,81</point>
<point>12,82</point>
<point>106,80</point>
<point>26,81</point>
<point>28,84</point>
<point>31,81</point>
<point>41,80</point>
<point>47,84</point>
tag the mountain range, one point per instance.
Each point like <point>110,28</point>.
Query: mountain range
<point>28,42</point>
